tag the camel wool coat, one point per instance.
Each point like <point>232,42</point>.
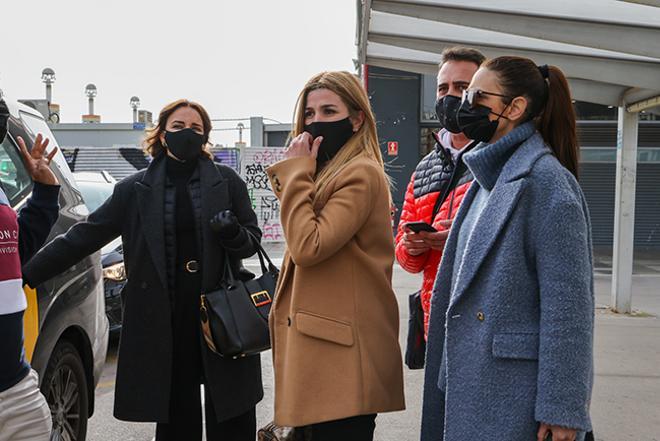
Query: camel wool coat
<point>335,321</point>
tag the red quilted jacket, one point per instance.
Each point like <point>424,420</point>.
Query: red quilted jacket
<point>427,183</point>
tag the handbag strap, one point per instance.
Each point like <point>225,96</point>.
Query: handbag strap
<point>228,273</point>
<point>445,191</point>
<point>263,255</point>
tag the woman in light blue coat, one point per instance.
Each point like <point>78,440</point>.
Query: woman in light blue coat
<point>510,346</point>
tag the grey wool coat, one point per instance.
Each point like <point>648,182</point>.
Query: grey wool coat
<point>518,328</point>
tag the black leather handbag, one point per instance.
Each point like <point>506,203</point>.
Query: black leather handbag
<point>234,317</point>
<point>416,343</point>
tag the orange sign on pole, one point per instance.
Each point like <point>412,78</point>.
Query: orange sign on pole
<point>392,148</point>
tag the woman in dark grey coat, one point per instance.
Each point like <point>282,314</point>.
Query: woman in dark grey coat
<point>179,219</point>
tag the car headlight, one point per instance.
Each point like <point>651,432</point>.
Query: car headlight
<point>116,272</point>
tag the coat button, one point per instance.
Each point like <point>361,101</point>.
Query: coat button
<point>278,185</point>
<point>144,285</point>
<point>480,316</point>
<point>288,321</point>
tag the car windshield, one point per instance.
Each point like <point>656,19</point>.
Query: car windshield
<point>95,193</point>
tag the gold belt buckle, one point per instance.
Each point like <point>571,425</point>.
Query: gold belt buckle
<point>261,298</point>
<point>192,266</point>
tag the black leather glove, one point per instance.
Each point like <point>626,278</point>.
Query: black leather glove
<point>225,224</point>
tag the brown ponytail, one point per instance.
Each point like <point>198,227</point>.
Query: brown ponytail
<point>550,104</point>
<point>556,123</point>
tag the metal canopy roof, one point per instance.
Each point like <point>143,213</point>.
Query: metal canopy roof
<point>609,49</point>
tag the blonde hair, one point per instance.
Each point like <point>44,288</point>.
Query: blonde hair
<point>152,144</point>
<point>363,143</point>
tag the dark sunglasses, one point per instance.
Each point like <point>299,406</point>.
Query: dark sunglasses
<point>471,95</point>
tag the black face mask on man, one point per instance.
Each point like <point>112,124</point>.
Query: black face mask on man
<point>335,135</point>
<point>473,121</point>
<point>446,108</point>
<point>184,144</point>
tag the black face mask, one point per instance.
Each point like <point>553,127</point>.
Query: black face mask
<point>335,135</point>
<point>474,123</point>
<point>4,117</point>
<point>185,144</point>
<point>447,110</point>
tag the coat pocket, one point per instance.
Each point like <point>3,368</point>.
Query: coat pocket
<point>324,328</point>
<point>517,346</point>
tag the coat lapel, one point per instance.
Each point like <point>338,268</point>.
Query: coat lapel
<point>285,274</point>
<point>498,209</point>
<point>443,282</point>
<point>215,198</point>
<point>500,205</point>
<point>151,198</point>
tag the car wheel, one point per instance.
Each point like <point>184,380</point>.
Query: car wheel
<point>65,388</point>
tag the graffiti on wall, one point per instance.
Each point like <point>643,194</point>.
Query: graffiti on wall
<point>250,162</point>
<point>254,162</point>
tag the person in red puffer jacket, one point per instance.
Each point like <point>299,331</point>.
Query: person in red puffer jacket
<point>439,175</point>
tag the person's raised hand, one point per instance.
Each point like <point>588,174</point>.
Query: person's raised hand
<point>37,161</point>
<point>303,145</point>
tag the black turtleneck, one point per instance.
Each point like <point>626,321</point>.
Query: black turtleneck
<point>186,355</point>
<point>179,173</point>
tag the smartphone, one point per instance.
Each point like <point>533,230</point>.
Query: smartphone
<point>417,227</point>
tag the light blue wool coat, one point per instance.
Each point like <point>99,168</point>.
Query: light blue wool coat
<point>518,329</point>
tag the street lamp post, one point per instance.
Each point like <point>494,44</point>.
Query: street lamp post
<point>240,127</point>
<point>91,92</point>
<point>135,104</point>
<point>48,77</point>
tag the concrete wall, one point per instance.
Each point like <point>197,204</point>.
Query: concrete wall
<point>98,135</point>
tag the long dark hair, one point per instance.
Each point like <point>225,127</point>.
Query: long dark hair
<point>550,104</point>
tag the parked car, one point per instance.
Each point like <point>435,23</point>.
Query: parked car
<point>96,187</point>
<point>66,330</point>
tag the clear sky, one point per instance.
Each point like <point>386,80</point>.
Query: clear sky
<point>237,58</point>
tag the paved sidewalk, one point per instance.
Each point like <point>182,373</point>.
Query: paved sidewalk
<point>626,398</point>
<point>645,262</point>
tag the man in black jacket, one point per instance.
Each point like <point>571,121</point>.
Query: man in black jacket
<point>24,413</point>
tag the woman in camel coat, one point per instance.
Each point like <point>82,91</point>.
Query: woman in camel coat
<point>335,321</point>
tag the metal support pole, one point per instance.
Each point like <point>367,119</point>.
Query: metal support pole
<point>91,106</point>
<point>257,131</point>
<point>624,211</point>
<point>135,114</point>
